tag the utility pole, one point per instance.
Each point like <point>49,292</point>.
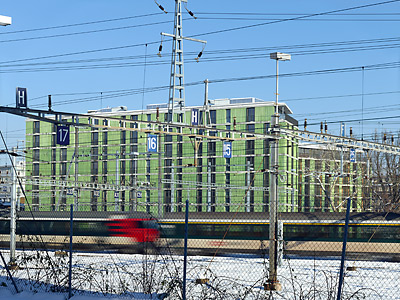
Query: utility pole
<point>176,88</point>
<point>206,108</point>
<point>273,282</point>
<point>117,183</point>
<point>13,222</point>
<point>249,185</point>
<point>76,168</point>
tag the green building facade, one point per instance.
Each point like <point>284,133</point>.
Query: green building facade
<point>105,167</point>
<point>327,177</point>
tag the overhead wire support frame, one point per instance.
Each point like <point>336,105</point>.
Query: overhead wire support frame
<point>164,127</point>
<point>346,142</point>
<point>177,70</point>
<point>154,127</point>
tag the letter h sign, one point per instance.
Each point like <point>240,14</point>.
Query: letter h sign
<point>21,97</point>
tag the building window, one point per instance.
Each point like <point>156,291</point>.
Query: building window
<point>123,137</point>
<point>36,127</point>
<point>36,141</point>
<point>213,116</point>
<point>105,167</point>
<point>228,115</point>
<point>36,154</point>
<point>95,138</point>
<point>250,145</point>
<point>63,154</point>
<point>168,147</point>
<point>250,114</point>
<point>35,170</point>
<point>212,148</point>
<point>250,127</point>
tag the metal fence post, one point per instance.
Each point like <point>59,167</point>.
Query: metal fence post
<point>70,252</point>
<point>346,227</point>
<point>185,250</point>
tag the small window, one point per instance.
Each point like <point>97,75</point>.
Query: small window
<point>250,114</point>
<point>228,116</point>
<point>213,116</point>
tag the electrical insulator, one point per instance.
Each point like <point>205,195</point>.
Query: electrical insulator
<point>159,50</point>
<point>234,123</point>
<point>384,137</point>
<point>322,127</point>
<point>160,6</point>
<point>392,138</point>
<point>198,56</point>
<point>49,102</point>
<point>326,127</point>
<point>190,13</point>
<point>351,131</point>
<point>158,114</point>
<point>305,124</point>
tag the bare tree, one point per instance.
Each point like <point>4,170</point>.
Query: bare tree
<point>385,176</point>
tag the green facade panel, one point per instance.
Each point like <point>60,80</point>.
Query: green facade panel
<point>107,160</point>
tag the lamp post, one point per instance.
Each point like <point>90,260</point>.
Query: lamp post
<point>273,283</point>
<point>4,21</point>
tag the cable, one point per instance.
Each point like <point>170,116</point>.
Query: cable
<point>307,73</point>
<point>210,57</point>
<point>222,51</point>
<point>83,32</point>
<point>304,20</point>
<point>296,18</point>
<point>79,24</point>
<point>294,14</point>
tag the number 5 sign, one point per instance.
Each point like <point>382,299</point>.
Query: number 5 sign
<point>227,149</point>
<point>63,135</point>
<point>152,143</point>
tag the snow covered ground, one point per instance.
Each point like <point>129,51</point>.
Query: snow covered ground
<point>240,277</point>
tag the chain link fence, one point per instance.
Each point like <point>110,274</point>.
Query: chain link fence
<point>135,255</point>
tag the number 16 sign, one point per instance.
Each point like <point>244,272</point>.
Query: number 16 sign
<point>152,143</point>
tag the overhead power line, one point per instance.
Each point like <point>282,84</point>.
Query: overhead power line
<point>370,44</point>
<point>127,92</point>
<point>296,14</point>
<point>136,61</point>
<point>79,24</point>
<point>296,18</point>
<point>84,32</point>
<point>303,20</point>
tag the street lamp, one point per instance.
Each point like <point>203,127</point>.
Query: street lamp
<point>273,283</point>
<point>283,57</point>
<point>4,20</point>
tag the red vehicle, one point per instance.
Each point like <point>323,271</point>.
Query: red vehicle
<point>139,230</point>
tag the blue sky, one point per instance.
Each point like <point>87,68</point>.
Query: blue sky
<point>350,39</point>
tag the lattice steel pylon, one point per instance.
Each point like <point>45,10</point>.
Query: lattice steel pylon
<point>176,88</point>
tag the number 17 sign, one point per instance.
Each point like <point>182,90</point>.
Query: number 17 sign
<point>63,135</point>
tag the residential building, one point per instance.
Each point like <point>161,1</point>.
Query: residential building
<point>106,168</point>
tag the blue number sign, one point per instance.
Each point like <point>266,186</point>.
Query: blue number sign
<point>227,150</point>
<point>352,155</point>
<point>152,143</point>
<point>62,135</point>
